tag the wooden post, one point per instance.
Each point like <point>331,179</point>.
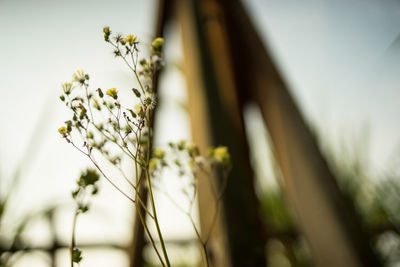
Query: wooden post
<point>138,240</point>
<point>200,127</point>
<point>216,117</point>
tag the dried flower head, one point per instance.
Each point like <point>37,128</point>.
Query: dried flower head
<point>80,77</point>
<point>67,88</point>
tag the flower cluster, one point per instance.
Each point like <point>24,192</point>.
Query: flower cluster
<point>186,161</point>
<point>185,158</point>
<point>103,126</point>
<point>126,47</point>
<point>124,125</point>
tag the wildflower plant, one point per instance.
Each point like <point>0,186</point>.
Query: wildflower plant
<point>104,127</point>
<point>185,161</point>
<point>87,186</point>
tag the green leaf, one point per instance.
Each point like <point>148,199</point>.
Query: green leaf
<point>89,177</point>
<point>75,193</point>
<point>83,208</point>
<point>95,190</point>
<point>76,255</point>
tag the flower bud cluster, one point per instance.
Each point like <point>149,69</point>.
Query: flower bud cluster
<point>186,160</point>
<point>107,33</point>
<point>100,122</point>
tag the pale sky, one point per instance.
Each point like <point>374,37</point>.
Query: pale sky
<point>333,54</point>
<point>335,57</point>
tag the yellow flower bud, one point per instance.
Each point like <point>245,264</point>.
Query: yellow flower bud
<point>107,33</point>
<point>221,155</point>
<point>106,30</point>
<point>153,164</point>
<point>63,131</point>
<point>156,46</point>
<point>158,153</point>
<point>192,150</point>
<point>113,92</point>
<point>130,39</point>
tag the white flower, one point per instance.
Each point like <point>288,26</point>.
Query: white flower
<point>150,100</point>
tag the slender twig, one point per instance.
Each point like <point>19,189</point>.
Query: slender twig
<point>72,246</point>
<point>111,182</point>
<point>156,220</point>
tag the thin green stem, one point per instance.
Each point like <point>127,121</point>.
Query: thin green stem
<point>146,169</point>
<point>149,234</point>
<point>88,100</point>
<point>140,83</point>
<point>111,182</point>
<point>156,219</point>
<point>203,244</point>
<point>72,246</point>
<point>137,196</point>
<point>205,254</point>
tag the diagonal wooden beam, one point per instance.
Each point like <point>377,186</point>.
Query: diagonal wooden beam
<point>328,221</point>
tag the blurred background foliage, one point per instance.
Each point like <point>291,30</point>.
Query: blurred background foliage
<point>376,198</point>
<point>377,201</point>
